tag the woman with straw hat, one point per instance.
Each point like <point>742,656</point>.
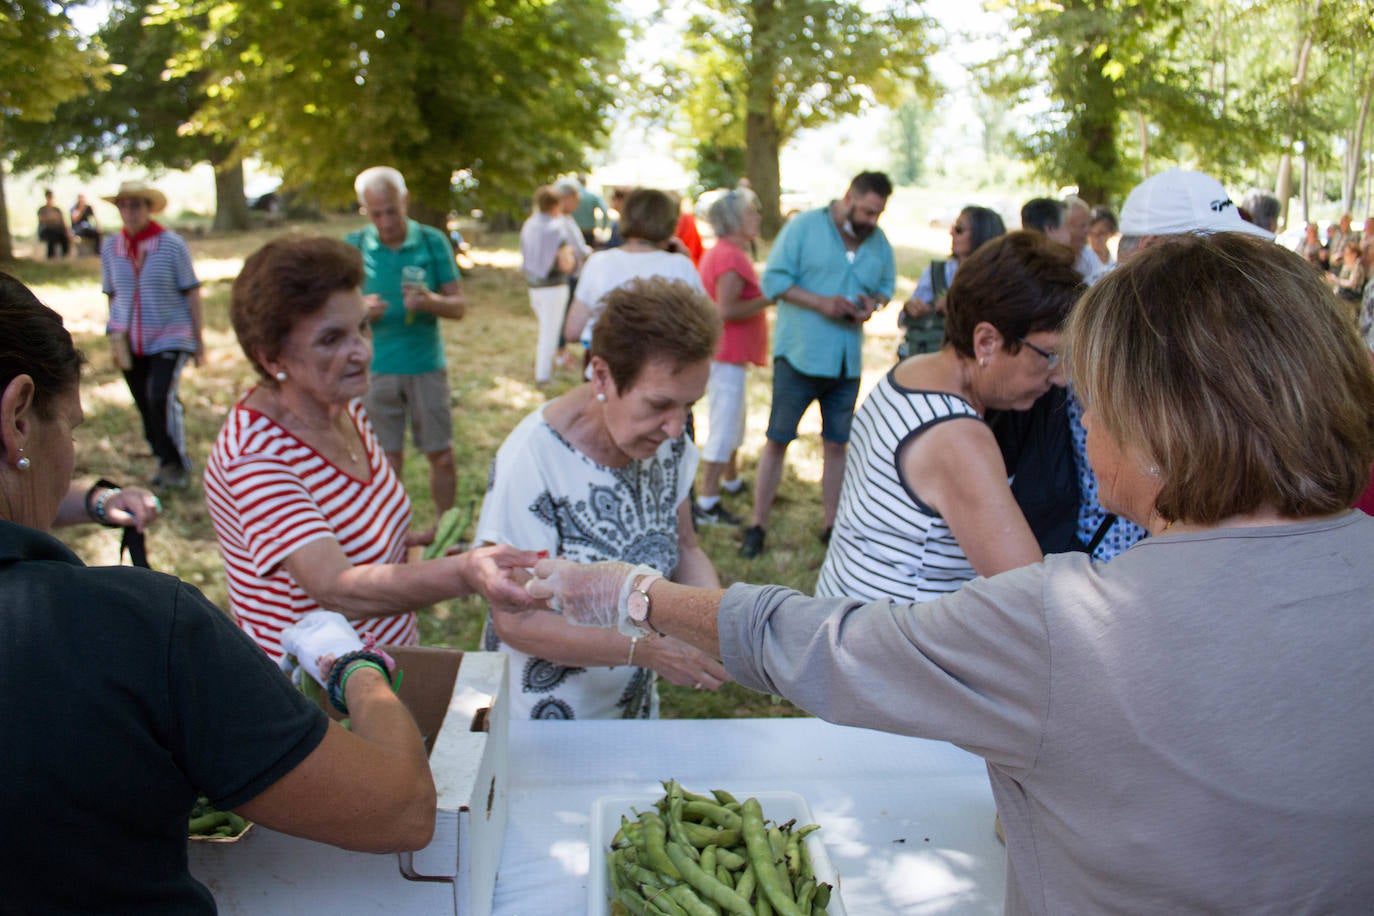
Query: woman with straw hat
<point>156,321</point>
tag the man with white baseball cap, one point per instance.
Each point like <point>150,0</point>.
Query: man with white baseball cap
<point>1179,202</point>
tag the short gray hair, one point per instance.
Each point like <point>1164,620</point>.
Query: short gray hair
<point>379,178</point>
<point>726,213</point>
<point>1074,202</point>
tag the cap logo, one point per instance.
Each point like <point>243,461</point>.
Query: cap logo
<point>1219,206</point>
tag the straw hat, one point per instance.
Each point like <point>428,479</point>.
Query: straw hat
<point>157,201</point>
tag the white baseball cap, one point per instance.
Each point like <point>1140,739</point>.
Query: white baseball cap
<point>1179,201</point>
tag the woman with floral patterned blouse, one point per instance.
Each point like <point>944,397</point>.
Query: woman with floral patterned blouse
<point>603,472</point>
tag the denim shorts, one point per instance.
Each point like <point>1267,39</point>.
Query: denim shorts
<point>793,392</point>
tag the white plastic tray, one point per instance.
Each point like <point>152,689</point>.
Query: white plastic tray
<point>778,807</point>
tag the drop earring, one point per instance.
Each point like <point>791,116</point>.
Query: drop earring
<point>23,463</point>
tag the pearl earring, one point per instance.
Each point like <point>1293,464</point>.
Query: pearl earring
<point>23,463</point>
<point>281,376</point>
<point>601,396</point>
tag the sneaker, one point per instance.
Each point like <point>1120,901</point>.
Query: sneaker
<point>716,515</point>
<point>753,542</point>
<point>734,487</point>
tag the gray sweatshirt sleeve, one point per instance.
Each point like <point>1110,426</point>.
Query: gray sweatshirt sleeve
<point>972,668</point>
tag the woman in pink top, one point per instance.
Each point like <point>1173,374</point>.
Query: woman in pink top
<point>308,512</point>
<point>731,281</point>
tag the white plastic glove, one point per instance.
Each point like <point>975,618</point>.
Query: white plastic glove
<point>589,594</point>
<point>320,637</point>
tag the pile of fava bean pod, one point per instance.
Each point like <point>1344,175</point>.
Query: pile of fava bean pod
<point>698,856</point>
<point>208,821</point>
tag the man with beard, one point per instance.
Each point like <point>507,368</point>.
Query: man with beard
<point>829,271</point>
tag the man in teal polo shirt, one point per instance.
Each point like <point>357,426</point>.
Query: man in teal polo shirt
<point>411,282</point>
<point>829,270</point>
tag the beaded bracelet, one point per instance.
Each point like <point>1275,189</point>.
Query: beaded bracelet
<point>96,509</point>
<point>335,681</point>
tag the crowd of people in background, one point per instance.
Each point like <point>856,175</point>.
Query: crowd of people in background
<point>975,457</point>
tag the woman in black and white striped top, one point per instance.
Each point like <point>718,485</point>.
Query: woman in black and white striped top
<point>926,504</point>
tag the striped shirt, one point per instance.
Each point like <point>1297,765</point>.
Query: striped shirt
<point>270,494</point>
<point>148,292</point>
<point>887,543</point>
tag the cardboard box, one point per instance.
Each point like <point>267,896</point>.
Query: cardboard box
<point>460,702</point>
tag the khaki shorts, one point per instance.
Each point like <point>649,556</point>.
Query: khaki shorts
<point>425,397</point>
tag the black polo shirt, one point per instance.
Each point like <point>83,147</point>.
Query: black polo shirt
<point>123,694</point>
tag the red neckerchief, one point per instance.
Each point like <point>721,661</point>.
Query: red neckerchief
<point>132,241</point>
<point>133,251</point>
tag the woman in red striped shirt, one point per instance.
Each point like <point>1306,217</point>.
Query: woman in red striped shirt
<point>307,509</point>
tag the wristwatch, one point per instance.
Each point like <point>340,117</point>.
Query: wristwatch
<point>638,602</point>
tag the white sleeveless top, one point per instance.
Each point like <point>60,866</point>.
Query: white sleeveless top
<point>887,543</point>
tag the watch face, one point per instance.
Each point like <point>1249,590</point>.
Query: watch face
<point>638,603</point>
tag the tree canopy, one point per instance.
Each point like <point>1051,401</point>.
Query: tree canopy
<point>755,72</point>
<point>46,63</point>
<point>513,92</point>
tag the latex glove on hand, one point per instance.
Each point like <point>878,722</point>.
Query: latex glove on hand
<point>589,594</point>
<point>318,639</point>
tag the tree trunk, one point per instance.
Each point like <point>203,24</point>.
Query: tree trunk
<point>1354,149</point>
<point>761,143</point>
<point>6,242</point>
<point>1283,185</point>
<point>761,158</point>
<point>231,207</point>
<point>1144,145</point>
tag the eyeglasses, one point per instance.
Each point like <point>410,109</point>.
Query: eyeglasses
<point>1052,357</point>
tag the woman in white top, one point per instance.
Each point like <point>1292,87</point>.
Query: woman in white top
<point>925,504</point>
<point>647,224</point>
<point>603,473</point>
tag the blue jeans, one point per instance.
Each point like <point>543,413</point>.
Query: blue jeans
<point>793,392</point>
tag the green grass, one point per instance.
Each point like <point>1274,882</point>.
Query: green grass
<point>490,355</point>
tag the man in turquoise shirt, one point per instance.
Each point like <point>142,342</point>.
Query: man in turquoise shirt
<point>829,270</point>
<point>411,282</point>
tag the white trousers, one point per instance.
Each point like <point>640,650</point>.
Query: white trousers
<point>549,303</point>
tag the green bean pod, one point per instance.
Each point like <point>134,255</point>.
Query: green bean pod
<point>690,903</point>
<point>655,840</point>
<point>706,885</point>
<point>709,811</point>
<point>756,841</point>
<point>732,860</point>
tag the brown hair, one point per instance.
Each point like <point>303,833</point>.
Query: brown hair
<point>654,318</point>
<point>1226,361</point>
<point>287,279</point>
<point>649,215</point>
<point>1019,283</point>
<point>545,199</point>
<point>33,342</point>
